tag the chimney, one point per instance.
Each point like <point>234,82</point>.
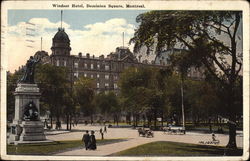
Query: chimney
<point>87,55</point>
<point>101,57</point>
<point>80,54</point>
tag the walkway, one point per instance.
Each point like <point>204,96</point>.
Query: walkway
<point>134,140</point>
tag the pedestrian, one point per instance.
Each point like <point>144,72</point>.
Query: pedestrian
<point>213,137</point>
<point>45,123</point>
<point>86,139</point>
<point>100,130</point>
<point>92,142</point>
<point>105,129</point>
<point>102,135</point>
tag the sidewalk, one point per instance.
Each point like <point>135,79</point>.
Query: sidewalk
<point>105,150</point>
<point>108,149</point>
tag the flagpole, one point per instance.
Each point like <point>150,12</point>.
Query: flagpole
<point>61,18</point>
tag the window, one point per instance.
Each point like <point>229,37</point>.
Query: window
<point>57,63</point>
<point>98,85</point>
<point>76,65</point>
<point>65,63</point>
<point>85,75</point>
<point>98,66</point>
<point>85,65</point>
<point>76,75</point>
<point>97,75</point>
<point>115,86</point>
<point>106,76</point>
<point>91,76</point>
<point>115,77</point>
<point>106,85</point>
<point>106,67</point>
<point>92,66</point>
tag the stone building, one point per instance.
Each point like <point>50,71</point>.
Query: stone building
<point>104,70</point>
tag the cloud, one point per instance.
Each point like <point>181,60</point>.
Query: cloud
<point>24,39</point>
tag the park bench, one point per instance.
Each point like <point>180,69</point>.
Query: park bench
<point>174,130</point>
<point>145,132</point>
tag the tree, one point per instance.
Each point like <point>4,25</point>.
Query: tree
<point>12,79</point>
<point>84,95</point>
<point>53,84</point>
<point>173,97</point>
<point>202,100</point>
<point>135,91</point>
<point>211,38</point>
<point>141,93</point>
<point>108,104</point>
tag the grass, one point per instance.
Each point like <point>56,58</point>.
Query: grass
<point>165,148</point>
<point>51,148</point>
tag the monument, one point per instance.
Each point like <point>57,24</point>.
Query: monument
<point>27,126</point>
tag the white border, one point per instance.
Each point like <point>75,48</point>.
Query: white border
<point>149,4</point>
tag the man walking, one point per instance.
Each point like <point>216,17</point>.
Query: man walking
<point>86,139</point>
<point>105,129</point>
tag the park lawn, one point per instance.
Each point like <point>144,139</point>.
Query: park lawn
<point>166,148</point>
<point>51,148</point>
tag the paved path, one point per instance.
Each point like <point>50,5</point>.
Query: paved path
<point>108,149</point>
<point>134,140</point>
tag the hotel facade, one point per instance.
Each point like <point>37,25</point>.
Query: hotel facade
<point>104,70</point>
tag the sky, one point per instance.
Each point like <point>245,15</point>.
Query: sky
<point>91,31</point>
<point>97,32</point>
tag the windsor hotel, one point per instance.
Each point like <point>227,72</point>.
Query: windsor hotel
<point>104,70</point>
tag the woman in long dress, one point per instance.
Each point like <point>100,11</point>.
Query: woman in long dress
<point>92,142</point>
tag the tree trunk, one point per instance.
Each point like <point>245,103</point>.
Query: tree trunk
<point>144,120</point>
<point>232,133</point>
<point>155,119</point>
<point>198,120</point>
<point>134,120</point>
<point>128,118</point>
<point>232,118</point>
<point>70,119</point>
<point>117,120</point>
<point>67,121</point>
<point>162,119</point>
<point>210,125</point>
<point>91,118</point>
<point>51,122</point>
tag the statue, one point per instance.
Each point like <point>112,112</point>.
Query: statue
<point>28,76</point>
<point>30,112</point>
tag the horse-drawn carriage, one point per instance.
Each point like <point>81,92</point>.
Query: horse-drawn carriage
<point>145,132</point>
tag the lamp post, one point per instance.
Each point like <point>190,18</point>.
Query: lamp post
<point>182,105</point>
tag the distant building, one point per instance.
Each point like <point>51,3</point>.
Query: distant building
<point>163,59</point>
<point>43,56</point>
<point>104,70</point>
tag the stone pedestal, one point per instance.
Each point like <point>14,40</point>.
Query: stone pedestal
<point>32,131</point>
<point>21,129</point>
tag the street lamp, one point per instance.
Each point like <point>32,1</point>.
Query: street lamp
<point>182,106</point>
